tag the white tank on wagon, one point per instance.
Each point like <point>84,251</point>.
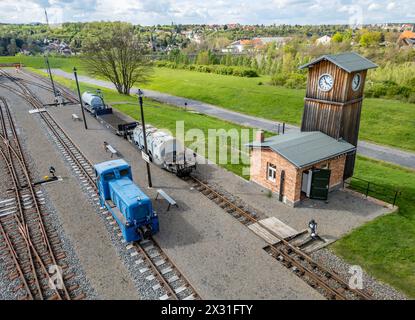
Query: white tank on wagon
<point>164,149</point>
<point>92,101</point>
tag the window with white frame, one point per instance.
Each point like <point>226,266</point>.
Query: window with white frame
<point>271,172</point>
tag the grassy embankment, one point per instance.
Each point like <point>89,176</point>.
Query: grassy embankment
<point>384,247</point>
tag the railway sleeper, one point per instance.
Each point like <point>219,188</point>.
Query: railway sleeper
<point>13,276</point>
<point>80,296</point>
<point>18,287</point>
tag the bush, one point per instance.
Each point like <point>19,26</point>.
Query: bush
<point>411,98</point>
<point>389,89</point>
<point>218,69</point>
<point>296,81</point>
<point>278,79</point>
<point>377,90</point>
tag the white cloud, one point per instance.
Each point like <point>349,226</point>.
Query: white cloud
<point>391,6</point>
<point>150,12</point>
<point>373,7</point>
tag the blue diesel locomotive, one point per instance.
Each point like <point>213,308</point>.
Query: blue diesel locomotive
<point>129,205</point>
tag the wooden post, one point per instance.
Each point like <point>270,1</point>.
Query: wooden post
<point>367,189</point>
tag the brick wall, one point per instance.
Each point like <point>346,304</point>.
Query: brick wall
<point>260,158</point>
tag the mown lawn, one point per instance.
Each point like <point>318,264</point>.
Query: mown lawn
<point>385,247</point>
<point>387,122</point>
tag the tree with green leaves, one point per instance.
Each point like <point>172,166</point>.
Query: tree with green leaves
<point>119,56</point>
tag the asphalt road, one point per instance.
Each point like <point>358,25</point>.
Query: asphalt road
<point>368,149</point>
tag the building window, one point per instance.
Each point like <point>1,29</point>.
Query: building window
<point>271,172</point>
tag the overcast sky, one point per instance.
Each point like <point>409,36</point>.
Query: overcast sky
<point>150,12</point>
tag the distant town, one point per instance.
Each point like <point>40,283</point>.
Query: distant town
<point>66,39</point>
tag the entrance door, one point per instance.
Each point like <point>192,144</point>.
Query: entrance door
<point>320,184</point>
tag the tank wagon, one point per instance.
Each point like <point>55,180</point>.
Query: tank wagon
<point>165,151</point>
<point>128,204</point>
<point>95,104</point>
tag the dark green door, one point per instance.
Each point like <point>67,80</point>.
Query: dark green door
<point>320,184</point>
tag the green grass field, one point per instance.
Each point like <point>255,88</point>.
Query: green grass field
<point>384,247</point>
<point>388,122</point>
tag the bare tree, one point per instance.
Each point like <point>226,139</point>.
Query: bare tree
<point>119,56</point>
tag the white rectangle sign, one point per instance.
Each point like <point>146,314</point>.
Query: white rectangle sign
<point>145,156</point>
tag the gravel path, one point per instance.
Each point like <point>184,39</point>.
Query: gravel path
<point>383,153</point>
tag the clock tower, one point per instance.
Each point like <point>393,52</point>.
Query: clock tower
<point>334,97</point>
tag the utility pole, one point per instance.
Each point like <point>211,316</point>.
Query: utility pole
<point>80,98</point>
<point>47,20</point>
<point>50,75</point>
<point>140,100</point>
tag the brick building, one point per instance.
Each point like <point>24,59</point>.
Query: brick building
<point>299,165</point>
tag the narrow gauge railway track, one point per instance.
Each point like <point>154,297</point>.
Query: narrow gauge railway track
<point>170,283</point>
<point>66,93</point>
<point>317,276</point>
<point>30,247</point>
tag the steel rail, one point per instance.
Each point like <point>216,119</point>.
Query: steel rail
<point>12,172</point>
<point>188,284</point>
<point>16,261</point>
<point>24,226</point>
<point>155,270</point>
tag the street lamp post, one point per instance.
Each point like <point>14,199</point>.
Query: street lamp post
<point>80,98</point>
<point>140,100</point>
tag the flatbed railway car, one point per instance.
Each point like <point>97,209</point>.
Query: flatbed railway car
<point>116,124</point>
<point>94,104</point>
<point>128,204</point>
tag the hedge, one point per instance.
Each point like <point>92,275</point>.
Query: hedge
<point>214,68</point>
<point>391,90</point>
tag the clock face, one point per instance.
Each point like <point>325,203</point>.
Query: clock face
<point>325,83</point>
<point>357,79</point>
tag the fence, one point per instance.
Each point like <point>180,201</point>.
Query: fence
<point>368,188</point>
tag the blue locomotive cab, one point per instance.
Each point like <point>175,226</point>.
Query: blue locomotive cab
<point>129,205</point>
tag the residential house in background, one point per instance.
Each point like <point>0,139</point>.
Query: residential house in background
<point>407,38</point>
<point>254,44</point>
<point>324,40</point>
<point>408,27</point>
